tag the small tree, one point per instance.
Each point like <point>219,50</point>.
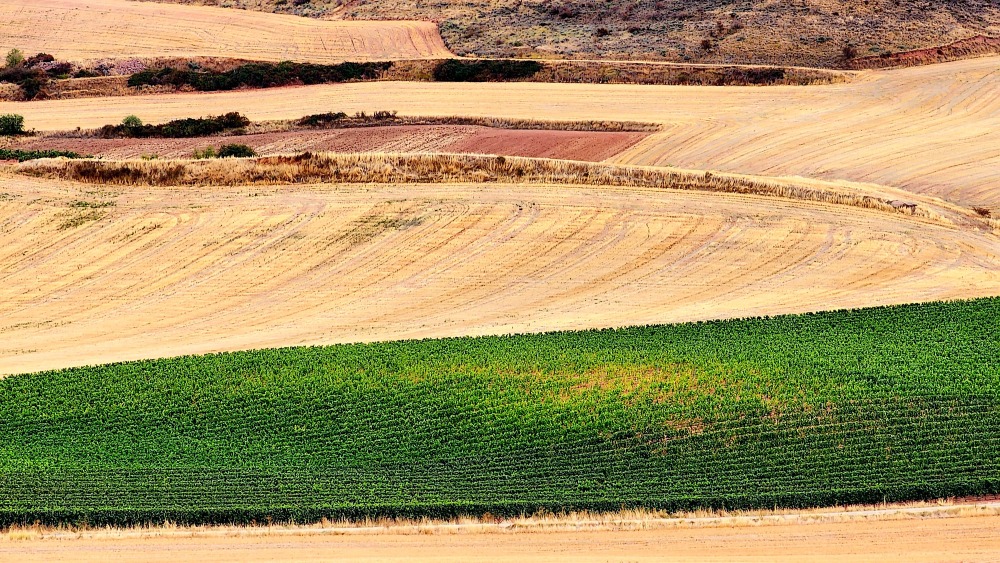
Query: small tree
<point>11,125</point>
<point>132,122</point>
<point>14,58</point>
<point>236,151</point>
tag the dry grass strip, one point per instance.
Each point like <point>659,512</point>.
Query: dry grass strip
<point>309,168</point>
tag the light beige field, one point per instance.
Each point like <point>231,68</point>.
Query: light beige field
<point>935,539</point>
<point>933,129</point>
<point>78,30</point>
<point>92,274</point>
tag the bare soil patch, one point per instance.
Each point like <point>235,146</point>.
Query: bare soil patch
<point>570,145</point>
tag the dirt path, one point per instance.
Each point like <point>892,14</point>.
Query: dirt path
<point>97,29</point>
<point>936,539</point>
<point>93,274</point>
<point>932,129</point>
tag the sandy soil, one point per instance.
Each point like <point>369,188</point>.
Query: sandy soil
<point>953,539</point>
<point>933,129</point>
<point>93,274</point>
<point>96,29</point>
<point>571,145</point>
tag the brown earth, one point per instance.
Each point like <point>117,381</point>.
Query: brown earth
<point>77,30</point>
<point>93,274</point>
<point>569,145</point>
<point>939,539</point>
<point>932,129</point>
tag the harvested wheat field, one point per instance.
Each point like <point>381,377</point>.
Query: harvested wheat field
<point>568,145</point>
<point>97,273</point>
<point>898,128</point>
<point>78,30</point>
<point>907,540</point>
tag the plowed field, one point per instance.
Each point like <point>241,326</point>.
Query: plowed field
<point>569,145</point>
<point>97,274</point>
<point>933,129</point>
<point>96,29</point>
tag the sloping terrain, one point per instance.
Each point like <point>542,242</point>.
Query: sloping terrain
<point>932,130</point>
<point>98,29</point>
<point>569,145</point>
<point>804,32</point>
<point>94,273</point>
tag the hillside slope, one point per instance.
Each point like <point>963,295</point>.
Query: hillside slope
<point>94,273</point>
<point>97,29</point>
<point>801,32</point>
<point>781,412</point>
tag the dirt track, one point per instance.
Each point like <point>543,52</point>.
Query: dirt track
<point>933,129</point>
<point>952,539</point>
<point>97,29</point>
<point>569,145</point>
<point>92,274</point>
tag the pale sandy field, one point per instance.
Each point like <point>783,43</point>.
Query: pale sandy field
<point>78,30</point>
<point>92,274</point>
<point>932,129</point>
<point>938,539</point>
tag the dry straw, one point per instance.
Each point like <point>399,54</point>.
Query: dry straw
<point>308,168</point>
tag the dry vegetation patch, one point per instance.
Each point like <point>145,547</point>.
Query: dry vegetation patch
<point>309,168</point>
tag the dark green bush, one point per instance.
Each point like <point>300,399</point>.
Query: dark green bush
<point>11,124</point>
<point>259,75</point>
<point>179,128</point>
<point>236,151</point>
<point>454,70</point>
<point>21,156</point>
<point>321,119</point>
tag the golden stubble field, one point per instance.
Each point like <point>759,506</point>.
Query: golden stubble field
<point>97,29</point>
<point>92,274</point>
<point>932,130</point>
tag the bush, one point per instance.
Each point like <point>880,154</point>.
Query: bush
<point>11,125</point>
<point>179,128</point>
<point>236,151</point>
<point>321,119</point>
<point>258,75</point>
<point>14,58</point>
<point>21,155</point>
<point>454,70</point>
<point>208,152</point>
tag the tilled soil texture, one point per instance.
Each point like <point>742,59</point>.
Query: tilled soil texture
<point>569,145</point>
<point>92,273</point>
<point>932,129</point>
<point>77,30</point>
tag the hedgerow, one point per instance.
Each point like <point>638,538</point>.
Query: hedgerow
<point>454,70</point>
<point>883,404</point>
<point>23,155</point>
<point>132,126</point>
<point>259,75</point>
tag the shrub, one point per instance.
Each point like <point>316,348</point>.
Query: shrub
<point>321,119</point>
<point>236,151</point>
<point>179,128</point>
<point>11,124</point>
<point>258,75</point>
<point>14,58</point>
<point>208,152</point>
<point>454,70</point>
<point>21,155</point>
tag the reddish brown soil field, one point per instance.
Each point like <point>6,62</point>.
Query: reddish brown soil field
<point>571,145</point>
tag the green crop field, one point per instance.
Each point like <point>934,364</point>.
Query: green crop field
<point>850,406</point>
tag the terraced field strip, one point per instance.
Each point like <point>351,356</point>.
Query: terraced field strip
<point>92,273</point>
<point>97,29</point>
<point>569,145</point>
<point>932,129</point>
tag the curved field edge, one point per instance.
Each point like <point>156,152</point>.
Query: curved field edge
<point>844,407</point>
<point>387,168</point>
